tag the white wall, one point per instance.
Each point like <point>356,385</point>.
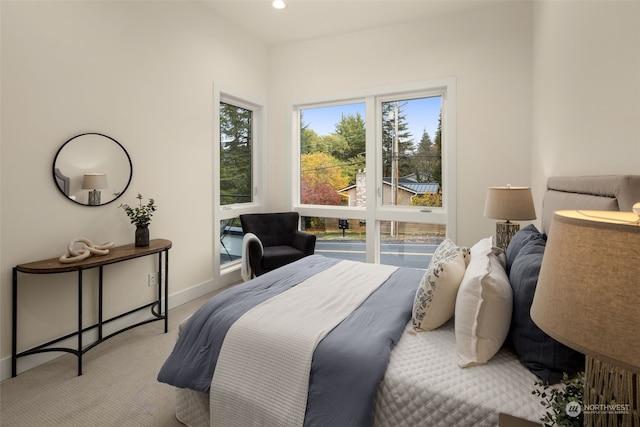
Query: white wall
<point>142,73</point>
<point>489,53</point>
<point>586,85</point>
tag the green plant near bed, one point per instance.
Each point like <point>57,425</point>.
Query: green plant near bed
<point>556,399</point>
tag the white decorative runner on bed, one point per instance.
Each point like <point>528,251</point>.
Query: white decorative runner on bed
<point>262,374</point>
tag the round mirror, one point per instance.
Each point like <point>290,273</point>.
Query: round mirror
<point>92,169</point>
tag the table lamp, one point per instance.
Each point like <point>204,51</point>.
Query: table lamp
<point>94,181</point>
<point>588,298</point>
<point>508,203</point>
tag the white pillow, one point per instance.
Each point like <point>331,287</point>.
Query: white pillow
<point>483,305</point>
<point>435,299</point>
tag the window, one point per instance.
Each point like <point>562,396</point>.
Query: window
<point>376,174</point>
<point>332,151</point>
<point>237,177</point>
<point>342,238</point>
<point>409,244</point>
<point>236,140</point>
<point>230,240</point>
<point>411,153</point>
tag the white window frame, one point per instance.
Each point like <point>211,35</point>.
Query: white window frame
<point>375,212</point>
<point>230,272</point>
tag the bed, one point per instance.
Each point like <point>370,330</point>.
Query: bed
<point>387,346</point>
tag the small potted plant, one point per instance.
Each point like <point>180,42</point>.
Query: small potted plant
<point>140,216</point>
<point>563,403</point>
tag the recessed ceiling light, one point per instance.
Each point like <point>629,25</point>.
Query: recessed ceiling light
<point>278,4</point>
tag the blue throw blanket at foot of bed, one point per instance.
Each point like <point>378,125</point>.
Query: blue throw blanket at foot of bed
<point>348,363</point>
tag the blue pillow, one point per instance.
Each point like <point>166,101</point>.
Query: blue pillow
<point>518,241</point>
<point>544,356</point>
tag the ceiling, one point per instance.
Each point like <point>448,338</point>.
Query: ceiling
<point>308,19</point>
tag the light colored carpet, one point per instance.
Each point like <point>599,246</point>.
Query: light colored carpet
<point>118,386</point>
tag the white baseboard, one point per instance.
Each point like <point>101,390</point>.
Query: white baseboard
<point>175,300</point>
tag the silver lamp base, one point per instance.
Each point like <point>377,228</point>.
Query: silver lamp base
<point>504,232</point>
<point>94,197</point>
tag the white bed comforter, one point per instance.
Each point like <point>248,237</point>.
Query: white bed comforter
<point>424,386</point>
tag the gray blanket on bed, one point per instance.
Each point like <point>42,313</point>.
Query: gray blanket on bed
<point>348,363</point>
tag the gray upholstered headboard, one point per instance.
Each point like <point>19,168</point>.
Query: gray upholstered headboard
<point>603,193</point>
<point>62,181</point>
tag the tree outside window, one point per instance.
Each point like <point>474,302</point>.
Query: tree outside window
<point>235,154</point>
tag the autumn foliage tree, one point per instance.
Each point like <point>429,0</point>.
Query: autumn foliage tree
<point>321,174</point>
<point>320,194</point>
<point>427,199</point>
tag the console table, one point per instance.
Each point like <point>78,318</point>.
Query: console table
<point>115,255</point>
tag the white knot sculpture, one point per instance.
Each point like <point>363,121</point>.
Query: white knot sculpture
<point>87,250</point>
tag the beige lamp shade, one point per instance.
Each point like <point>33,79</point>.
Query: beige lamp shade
<point>94,181</point>
<point>509,203</point>
<point>588,291</point>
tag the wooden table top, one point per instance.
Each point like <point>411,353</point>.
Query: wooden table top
<point>116,254</point>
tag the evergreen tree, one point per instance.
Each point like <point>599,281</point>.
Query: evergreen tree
<point>335,145</point>
<point>424,152</point>
<point>307,137</point>
<point>436,168</point>
<point>352,130</point>
<point>405,141</point>
<point>235,154</point>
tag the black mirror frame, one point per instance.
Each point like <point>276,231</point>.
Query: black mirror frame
<point>84,204</point>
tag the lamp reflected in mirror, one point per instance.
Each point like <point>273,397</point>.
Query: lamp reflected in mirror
<point>94,182</point>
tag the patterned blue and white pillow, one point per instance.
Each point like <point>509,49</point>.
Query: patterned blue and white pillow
<point>435,299</point>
